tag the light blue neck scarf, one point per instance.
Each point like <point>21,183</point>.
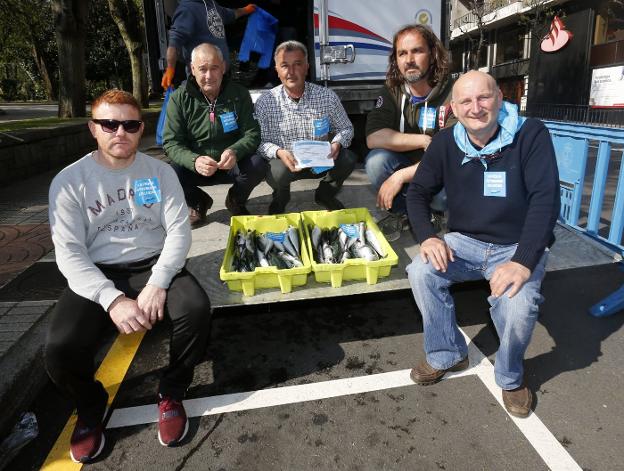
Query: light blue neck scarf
<point>509,123</point>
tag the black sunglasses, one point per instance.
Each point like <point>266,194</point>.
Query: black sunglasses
<point>111,125</point>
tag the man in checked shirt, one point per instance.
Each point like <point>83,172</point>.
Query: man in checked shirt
<point>298,110</point>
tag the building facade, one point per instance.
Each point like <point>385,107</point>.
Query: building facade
<point>564,68</point>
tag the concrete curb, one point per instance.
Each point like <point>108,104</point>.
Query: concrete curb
<point>22,373</point>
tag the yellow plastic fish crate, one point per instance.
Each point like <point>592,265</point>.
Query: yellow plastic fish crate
<point>351,269</point>
<point>264,277</point>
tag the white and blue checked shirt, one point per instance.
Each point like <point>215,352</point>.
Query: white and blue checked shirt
<point>284,121</point>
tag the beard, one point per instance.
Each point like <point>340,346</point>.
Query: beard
<point>413,77</point>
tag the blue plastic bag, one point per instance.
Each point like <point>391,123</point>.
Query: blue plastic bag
<point>259,37</point>
<point>161,119</point>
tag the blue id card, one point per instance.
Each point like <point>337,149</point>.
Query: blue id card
<point>147,191</point>
<point>494,184</point>
<point>321,127</point>
<point>427,118</point>
<point>228,120</point>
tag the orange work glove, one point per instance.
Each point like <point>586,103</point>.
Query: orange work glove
<point>167,78</point>
<point>249,9</point>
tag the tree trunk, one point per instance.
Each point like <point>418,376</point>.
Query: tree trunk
<point>128,15</point>
<point>43,72</point>
<point>70,17</point>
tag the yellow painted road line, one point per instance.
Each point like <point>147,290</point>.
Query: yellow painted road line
<point>110,373</point>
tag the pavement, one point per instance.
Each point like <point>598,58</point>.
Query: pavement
<point>323,382</point>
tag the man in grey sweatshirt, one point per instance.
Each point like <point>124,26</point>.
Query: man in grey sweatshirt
<point>121,234</point>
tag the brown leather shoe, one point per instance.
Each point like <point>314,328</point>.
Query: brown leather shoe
<point>518,401</point>
<point>425,374</point>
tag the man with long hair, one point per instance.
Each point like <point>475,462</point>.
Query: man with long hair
<point>412,106</point>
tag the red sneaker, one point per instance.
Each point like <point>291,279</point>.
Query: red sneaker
<point>86,442</point>
<point>172,422</point>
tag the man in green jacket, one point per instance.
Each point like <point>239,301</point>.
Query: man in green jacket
<point>211,136</point>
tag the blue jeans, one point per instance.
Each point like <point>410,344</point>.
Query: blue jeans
<point>513,318</point>
<point>381,164</point>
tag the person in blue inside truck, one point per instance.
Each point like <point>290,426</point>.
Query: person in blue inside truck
<point>195,22</point>
<point>502,188</point>
<point>412,106</point>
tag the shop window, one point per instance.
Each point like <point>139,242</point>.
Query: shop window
<point>457,52</point>
<point>609,23</point>
<point>509,45</point>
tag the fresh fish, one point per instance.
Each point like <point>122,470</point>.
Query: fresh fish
<point>265,243</point>
<point>362,232</point>
<point>289,246</point>
<point>345,256</point>
<point>279,246</point>
<point>328,253</point>
<point>315,235</point>
<point>290,260</point>
<point>293,236</point>
<point>319,253</point>
<point>276,261</point>
<point>262,260</point>
<point>373,241</point>
<point>366,252</point>
<point>343,238</point>
<point>249,241</point>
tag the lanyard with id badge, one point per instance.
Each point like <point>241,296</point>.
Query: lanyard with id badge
<point>147,191</point>
<point>228,121</point>
<point>494,184</point>
<point>320,132</point>
<point>427,118</point>
<point>320,128</point>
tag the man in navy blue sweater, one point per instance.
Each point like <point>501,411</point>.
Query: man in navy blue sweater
<point>502,185</point>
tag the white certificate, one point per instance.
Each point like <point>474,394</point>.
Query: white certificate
<point>312,154</point>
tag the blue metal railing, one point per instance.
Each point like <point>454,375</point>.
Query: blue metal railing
<point>576,146</point>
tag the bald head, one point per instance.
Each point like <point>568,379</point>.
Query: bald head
<point>474,79</point>
<point>476,102</point>
<point>208,67</point>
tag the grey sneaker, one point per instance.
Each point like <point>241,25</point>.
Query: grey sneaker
<point>392,225</point>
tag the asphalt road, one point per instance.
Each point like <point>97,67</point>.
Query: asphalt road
<point>17,111</point>
<point>573,364</point>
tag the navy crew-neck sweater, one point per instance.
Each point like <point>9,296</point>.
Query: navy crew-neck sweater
<point>526,215</point>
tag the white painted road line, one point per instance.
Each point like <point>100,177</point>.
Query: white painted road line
<point>271,397</point>
<point>547,446</point>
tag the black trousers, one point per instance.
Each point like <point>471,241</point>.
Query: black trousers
<point>245,176</point>
<point>77,327</point>
<point>279,177</point>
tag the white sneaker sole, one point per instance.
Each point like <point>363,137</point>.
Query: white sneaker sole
<point>104,420</point>
<point>186,427</point>
<point>95,455</point>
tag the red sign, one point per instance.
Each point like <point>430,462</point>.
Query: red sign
<point>557,38</point>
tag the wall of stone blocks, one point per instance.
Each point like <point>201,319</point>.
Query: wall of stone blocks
<point>33,151</point>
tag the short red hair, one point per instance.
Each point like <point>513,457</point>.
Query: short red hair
<point>116,97</point>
